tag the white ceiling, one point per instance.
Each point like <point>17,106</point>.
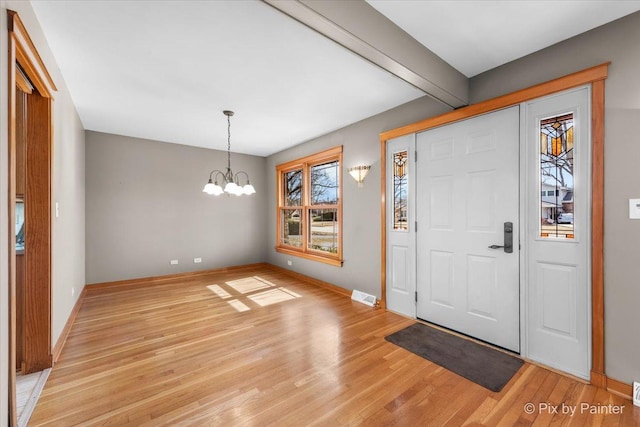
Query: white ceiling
<point>165,70</point>
<point>475,36</point>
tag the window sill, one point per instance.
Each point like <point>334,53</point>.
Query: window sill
<point>313,257</point>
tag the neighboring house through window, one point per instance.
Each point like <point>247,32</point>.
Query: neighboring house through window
<point>310,207</point>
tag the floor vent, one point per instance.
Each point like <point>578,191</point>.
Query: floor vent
<point>363,298</point>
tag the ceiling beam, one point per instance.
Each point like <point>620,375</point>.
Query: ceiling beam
<point>359,27</point>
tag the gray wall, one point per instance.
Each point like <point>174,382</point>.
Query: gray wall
<point>67,187</point>
<point>616,42</point>
<point>68,249</point>
<point>361,206</point>
<point>145,207</point>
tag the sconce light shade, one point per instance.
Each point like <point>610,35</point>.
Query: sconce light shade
<point>358,173</point>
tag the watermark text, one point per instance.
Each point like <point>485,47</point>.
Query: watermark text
<point>573,409</point>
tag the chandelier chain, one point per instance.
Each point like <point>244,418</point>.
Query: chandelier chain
<point>228,143</point>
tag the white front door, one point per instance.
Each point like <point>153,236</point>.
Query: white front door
<point>467,193</point>
<point>557,156</point>
<point>400,268</point>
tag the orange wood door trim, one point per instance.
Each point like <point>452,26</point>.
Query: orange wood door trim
<point>584,77</point>
<point>597,233</point>
<point>594,76</point>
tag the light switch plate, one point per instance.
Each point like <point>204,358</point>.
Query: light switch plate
<point>636,393</point>
<point>634,208</point>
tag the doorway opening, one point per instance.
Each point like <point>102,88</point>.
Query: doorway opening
<point>30,159</point>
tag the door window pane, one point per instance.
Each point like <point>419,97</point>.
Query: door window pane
<point>324,183</point>
<point>400,190</point>
<point>556,176</point>
<point>323,230</point>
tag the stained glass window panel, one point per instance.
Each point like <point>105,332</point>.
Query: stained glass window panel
<point>557,177</point>
<point>400,191</point>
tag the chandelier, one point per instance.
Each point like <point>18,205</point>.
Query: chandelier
<point>230,181</point>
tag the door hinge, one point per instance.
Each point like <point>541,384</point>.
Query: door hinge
<point>415,156</point>
<point>416,294</point>
<point>415,226</point>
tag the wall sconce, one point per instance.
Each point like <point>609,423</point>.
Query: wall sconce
<point>358,173</point>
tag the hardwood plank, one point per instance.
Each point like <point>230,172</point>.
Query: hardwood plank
<point>178,353</point>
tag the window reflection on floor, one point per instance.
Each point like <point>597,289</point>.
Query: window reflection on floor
<point>252,290</point>
<point>273,296</point>
<point>219,291</point>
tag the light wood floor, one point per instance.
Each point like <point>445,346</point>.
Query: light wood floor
<point>258,348</point>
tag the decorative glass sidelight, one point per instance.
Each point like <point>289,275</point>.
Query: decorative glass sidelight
<point>557,177</point>
<point>400,191</point>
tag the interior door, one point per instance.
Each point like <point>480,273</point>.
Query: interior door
<point>400,236</point>
<point>558,187</point>
<point>467,199</point>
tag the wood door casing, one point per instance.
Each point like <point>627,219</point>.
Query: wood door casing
<point>20,175</point>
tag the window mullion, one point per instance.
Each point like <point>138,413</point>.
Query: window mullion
<point>306,199</point>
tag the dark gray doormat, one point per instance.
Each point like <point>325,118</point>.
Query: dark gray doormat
<point>490,368</point>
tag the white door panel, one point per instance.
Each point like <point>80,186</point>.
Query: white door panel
<point>557,278</point>
<point>467,188</point>
<point>400,268</point>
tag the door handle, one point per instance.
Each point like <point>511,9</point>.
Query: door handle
<point>508,238</point>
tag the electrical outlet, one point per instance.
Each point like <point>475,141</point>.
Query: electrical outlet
<point>197,260</point>
<point>636,393</point>
<point>174,261</point>
<point>289,262</point>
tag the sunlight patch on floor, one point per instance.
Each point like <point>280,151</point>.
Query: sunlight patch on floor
<point>273,296</point>
<point>216,289</point>
<point>238,305</point>
<point>248,284</point>
<point>253,289</point>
